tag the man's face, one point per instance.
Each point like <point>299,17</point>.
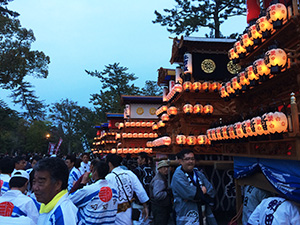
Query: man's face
<point>163,170</point>
<point>85,159</point>
<point>33,163</point>
<point>69,164</point>
<point>44,188</point>
<point>188,162</point>
<point>20,165</point>
<point>140,161</point>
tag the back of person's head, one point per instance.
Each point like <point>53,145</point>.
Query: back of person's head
<point>102,169</point>
<point>57,169</point>
<point>144,155</point>
<point>19,158</point>
<point>7,165</point>
<point>77,163</point>
<point>114,159</point>
<point>18,179</point>
<point>181,154</point>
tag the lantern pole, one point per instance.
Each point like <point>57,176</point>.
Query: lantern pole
<point>294,114</point>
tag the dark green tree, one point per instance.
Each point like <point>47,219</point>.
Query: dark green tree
<point>75,121</point>
<point>190,16</point>
<point>17,61</point>
<point>115,81</point>
<point>151,88</point>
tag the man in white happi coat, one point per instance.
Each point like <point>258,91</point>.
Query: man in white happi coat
<point>127,184</point>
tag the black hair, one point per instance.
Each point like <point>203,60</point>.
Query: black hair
<point>7,165</point>
<point>94,162</point>
<point>114,159</point>
<point>72,158</point>
<point>56,167</point>
<point>17,182</point>
<point>102,169</point>
<point>144,155</point>
<point>36,158</point>
<point>86,153</point>
<point>18,158</point>
<point>77,163</point>
<point>181,154</point>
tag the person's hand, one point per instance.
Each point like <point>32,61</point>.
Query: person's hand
<point>85,178</point>
<point>204,189</point>
<point>145,212</point>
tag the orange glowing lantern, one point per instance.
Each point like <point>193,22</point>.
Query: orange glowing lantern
<point>165,117</point>
<point>198,109</point>
<point>136,150</point>
<point>235,84</point>
<point>264,27</point>
<point>151,135</point>
<point>280,120</point>
<point>143,124</point>
<point>121,125</point>
<point>118,136</point>
<point>229,88</point>
<point>276,14</point>
<point>154,126</point>
<point>149,144</point>
<point>129,135</point>
<point>232,55</point>
<point>205,86</point>
<point>218,133</point>
<point>197,86</point>
<point>149,124</point>
<point>172,111</point>
<point>146,135</point>
<point>209,134</point>
<point>161,124</point>
<point>239,130</point>
<point>251,76</point>
<point>224,132</point>
<point>137,124</point>
<point>208,109</point>
<point>242,78</point>
<point>275,59</point>
<point>271,124</point>
<point>140,135</point>
<point>213,134</point>
<point>177,88</point>
<point>252,125</point>
<point>127,124</point>
<point>254,35</point>
<point>113,151</point>
<point>155,135</point>
<point>119,151</point>
<point>166,140</point>
<point>124,135</point>
<point>247,42</point>
<point>215,86</point>
<point>130,150</point>
<point>180,139</point>
<point>201,139</point>
<point>239,49</point>
<point>248,127</point>
<point>191,140</point>
<point>188,108</point>
<point>260,68</point>
<point>223,92</point>
<point>187,86</point>
<point>258,126</point>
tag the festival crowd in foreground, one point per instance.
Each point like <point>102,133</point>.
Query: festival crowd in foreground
<point>71,190</point>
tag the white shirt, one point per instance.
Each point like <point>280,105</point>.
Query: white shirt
<point>84,167</point>
<point>97,203</point>
<point>22,220</point>
<point>64,213</point>
<point>18,204</point>
<point>73,177</point>
<point>131,184</point>
<point>4,183</point>
<point>275,211</point>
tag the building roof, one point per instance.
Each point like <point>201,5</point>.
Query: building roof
<point>199,45</point>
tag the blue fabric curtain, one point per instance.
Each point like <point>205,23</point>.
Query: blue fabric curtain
<point>284,175</point>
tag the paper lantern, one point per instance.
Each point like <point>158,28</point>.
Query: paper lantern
<point>129,135</point>
<point>275,59</point>
<point>264,27</point>
<point>127,124</point>
<point>254,35</point>
<point>180,139</point>
<point>271,124</point>
<point>150,123</point>
<point>229,88</point>
<point>239,49</point>
<point>151,135</point>
<point>260,68</point>
<point>264,125</point>
<point>252,126</point>
<point>239,130</point>
<point>235,84</point>
<point>232,55</point>
<point>201,139</point>
<point>165,117</point>
<point>118,136</point>
<point>215,86</point>
<point>155,135</point>
<point>218,133</point>
<point>258,126</point>
<point>166,140</point>
<point>161,124</point>
<point>196,86</point>
<point>251,76</point>
<point>224,133</point>
<point>247,124</point>
<point>276,14</point>
<point>223,92</point>
<point>187,60</point>
<point>140,135</point>
<point>113,151</point>
<point>188,108</point>
<point>137,124</point>
<point>172,111</point>
<point>177,88</point>
<point>191,140</point>
<point>280,120</point>
<point>208,109</point>
<point>178,72</point>
<point>146,135</point>
<point>246,42</point>
<point>124,135</point>
<point>154,126</point>
<point>187,86</point>
<point>132,124</point>
<point>143,124</point>
<point>121,125</point>
<point>213,134</point>
<point>205,86</point>
<point>198,109</point>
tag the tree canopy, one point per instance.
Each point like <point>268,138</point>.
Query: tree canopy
<point>189,16</point>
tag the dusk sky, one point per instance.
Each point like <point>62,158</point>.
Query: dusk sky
<point>87,35</point>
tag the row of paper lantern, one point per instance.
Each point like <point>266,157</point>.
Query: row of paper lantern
<point>131,150</point>
<point>162,141</point>
<point>191,140</point>
<point>104,142</point>
<point>136,124</point>
<point>273,62</point>
<point>269,123</point>
<point>104,135</point>
<point>276,14</point>
<point>139,135</point>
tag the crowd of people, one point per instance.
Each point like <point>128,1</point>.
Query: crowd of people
<point>77,190</point>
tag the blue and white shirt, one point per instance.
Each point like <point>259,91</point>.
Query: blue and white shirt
<point>64,213</point>
<point>97,203</point>
<point>73,177</point>
<point>15,204</point>
<point>4,183</point>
